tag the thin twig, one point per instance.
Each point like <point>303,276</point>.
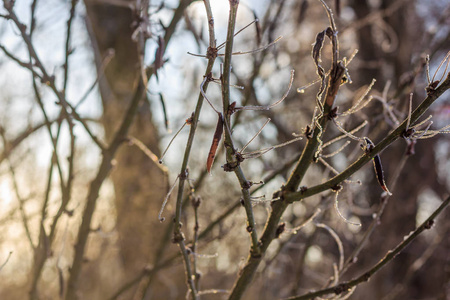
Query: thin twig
<point>268,107</point>
<point>230,149</point>
<point>161,219</point>
<point>336,207</point>
<point>258,133</point>
<point>205,79</point>
<point>178,236</point>
<point>394,135</point>
<point>390,255</point>
<point>158,265</point>
<point>102,173</point>
<point>6,260</point>
<point>100,74</point>
<point>338,138</point>
<point>68,49</point>
<point>237,32</point>
<point>170,143</point>
<point>69,110</point>
<point>307,157</point>
<point>338,243</point>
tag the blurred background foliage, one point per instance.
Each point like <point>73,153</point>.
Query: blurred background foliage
<point>126,239</point>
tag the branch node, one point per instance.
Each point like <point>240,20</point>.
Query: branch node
<point>407,133</point>
<point>280,229</point>
<point>341,288</point>
<point>429,224</point>
<point>190,120</point>
<point>256,253</point>
<point>231,108</point>
<point>333,113</point>
<point>239,157</point>
<point>178,237</point>
<point>279,194</point>
<point>247,185</point>
<point>336,188</point>
<point>308,132</point>
<point>230,166</point>
<point>366,276</point>
<point>211,53</point>
<point>184,175</point>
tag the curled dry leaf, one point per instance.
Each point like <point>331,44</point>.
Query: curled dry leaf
<point>317,48</point>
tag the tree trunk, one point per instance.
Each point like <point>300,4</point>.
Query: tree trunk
<point>139,184</point>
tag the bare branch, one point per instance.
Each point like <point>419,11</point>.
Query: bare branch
<point>390,255</point>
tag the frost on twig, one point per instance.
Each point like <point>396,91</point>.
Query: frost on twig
<point>360,104</point>
<point>336,151</point>
<point>254,154</point>
<point>256,50</point>
<point>207,292</point>
<point>336,207</point>
<point>409,111</point>
<point>187,122</point>
<point>346,62</point>
<point>352,132</point>
<point>334,171</point>
<point>412,133</point>
<point>207,79</point>
<point>242,52</point>
<point>427,133</point>
<point>258,133</point>
<point>345,132</point>
<point>260,200</point>
<point>432,83</point>
<point>295,229</point>
<point>160,217</point>
<point>268,107</point>
<point>338,242</point>
<point>199,255</point>
<point>386,106</point>
<point>258,153</point>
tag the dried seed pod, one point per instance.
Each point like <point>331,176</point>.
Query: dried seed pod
<point>369,145</point>
<point>215,143</point>
<point>380,174</point>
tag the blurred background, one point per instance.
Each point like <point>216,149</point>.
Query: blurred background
<point>94,52</point>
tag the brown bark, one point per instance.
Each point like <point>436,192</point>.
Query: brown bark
<point>368,50</point>
<point>138,184</point>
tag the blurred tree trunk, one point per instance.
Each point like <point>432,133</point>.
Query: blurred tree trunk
<point>138,184</point>
<point>368,49</point>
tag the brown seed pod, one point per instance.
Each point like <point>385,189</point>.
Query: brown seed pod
<point>369,145</point>
<point>215,143</point>
<point>380,174</point>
